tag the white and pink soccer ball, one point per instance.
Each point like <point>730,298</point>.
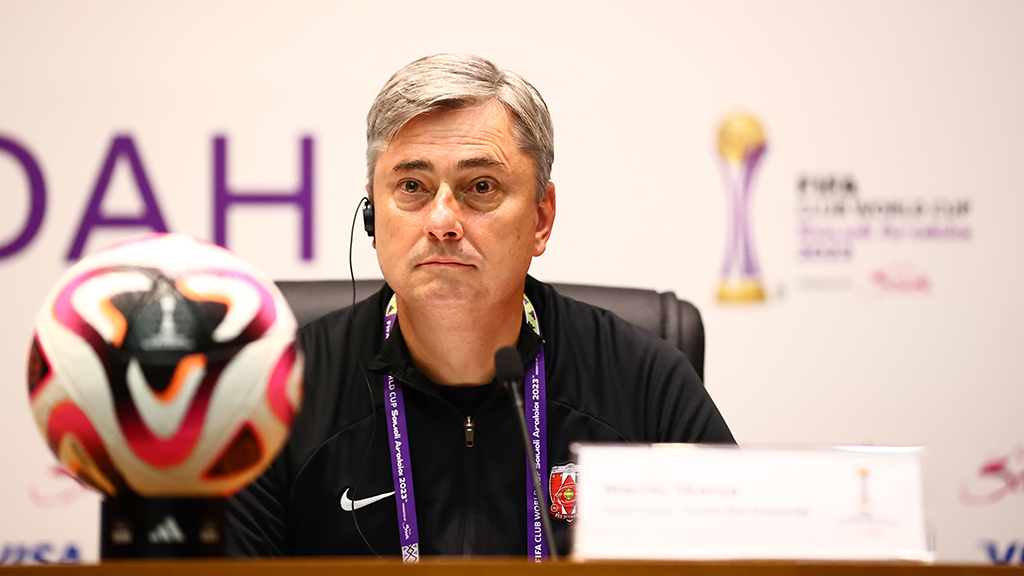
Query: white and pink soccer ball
<point>165,366</point>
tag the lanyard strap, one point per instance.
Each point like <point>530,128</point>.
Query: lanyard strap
<point>401,464</point>
<point>537,415</point>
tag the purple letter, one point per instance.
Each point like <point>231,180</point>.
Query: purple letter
<point>222,197</point>
<point>151,218</point>
<point>37,197</point>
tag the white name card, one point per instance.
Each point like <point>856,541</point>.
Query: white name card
<point>680,501</point>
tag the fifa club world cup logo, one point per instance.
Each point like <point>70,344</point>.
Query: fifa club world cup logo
<point>865,495</point>
<point>741,144</point>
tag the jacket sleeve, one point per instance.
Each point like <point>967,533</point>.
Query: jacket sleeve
<point>680,408</point>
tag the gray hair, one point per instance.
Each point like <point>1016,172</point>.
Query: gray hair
<point>453,81</point>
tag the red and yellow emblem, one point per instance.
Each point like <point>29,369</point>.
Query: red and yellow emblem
<point>562,486</point>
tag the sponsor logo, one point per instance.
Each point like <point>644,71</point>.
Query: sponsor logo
<point>121,534</point>
<point>167,532</point>
<point>996,478</point>
<point>901,278</point>
<point>208,533</point>
<point>1004,554</point>
<point>562,485</point>
<point>348,505</point>
<point>15,553</point>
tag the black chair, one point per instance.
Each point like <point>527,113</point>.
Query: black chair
<point>675,320</point>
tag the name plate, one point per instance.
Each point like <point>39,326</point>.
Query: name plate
<point>684,501</point>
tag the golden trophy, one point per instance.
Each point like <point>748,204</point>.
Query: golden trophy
<point>741,144</point>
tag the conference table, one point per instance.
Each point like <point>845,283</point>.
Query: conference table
<point>497,567</point>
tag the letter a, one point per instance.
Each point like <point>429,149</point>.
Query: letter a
<point>122,146</point>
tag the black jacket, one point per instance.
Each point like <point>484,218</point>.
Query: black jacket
<point>607,380</point>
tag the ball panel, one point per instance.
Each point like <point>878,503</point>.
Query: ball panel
<point>241,455</point>
<point>189,369</point>
<point>72,361</point>
<point>105,299</point>
<point>65,313</point>
<point>243,303</point>
<point>164,452</point>
<point>39,372</point>
<point>119,326</point>
<point>74,440</point>
<point>162,406</point>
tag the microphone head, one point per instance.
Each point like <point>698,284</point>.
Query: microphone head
<point>507,366</point>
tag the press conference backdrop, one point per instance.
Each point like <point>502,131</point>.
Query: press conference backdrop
<point>882,223</point>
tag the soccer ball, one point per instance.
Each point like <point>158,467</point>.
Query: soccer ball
<point>165,366</point>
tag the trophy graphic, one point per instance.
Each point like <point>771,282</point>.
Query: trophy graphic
<point>741,144</point>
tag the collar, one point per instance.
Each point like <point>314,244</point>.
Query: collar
<point>394,357</point>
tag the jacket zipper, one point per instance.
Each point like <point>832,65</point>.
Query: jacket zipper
<point>472,490</point>
<point>469,535</point>
<point>468,425</point>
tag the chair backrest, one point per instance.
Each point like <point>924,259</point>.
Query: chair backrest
<point>675,320</point>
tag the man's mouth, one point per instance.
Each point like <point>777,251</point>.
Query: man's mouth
<point>444,262</point>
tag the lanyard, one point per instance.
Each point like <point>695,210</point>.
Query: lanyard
<point>401,465</point>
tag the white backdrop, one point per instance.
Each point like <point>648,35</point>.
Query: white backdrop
<point>909,333</point>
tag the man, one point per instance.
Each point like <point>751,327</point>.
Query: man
<point>405,443</point>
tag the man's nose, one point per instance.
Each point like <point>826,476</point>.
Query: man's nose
<point>443,219</point>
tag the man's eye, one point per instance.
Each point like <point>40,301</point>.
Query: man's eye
<point>483,187</point>
<point>409,186</point>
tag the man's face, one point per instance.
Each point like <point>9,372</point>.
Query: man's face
<point>457,221</point>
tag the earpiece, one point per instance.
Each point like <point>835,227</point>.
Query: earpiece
<point>368,216</point>
<point>367,208</point>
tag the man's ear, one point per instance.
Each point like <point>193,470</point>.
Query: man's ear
<point>545,220</point>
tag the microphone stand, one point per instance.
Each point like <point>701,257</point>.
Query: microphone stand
<point>545,520</point>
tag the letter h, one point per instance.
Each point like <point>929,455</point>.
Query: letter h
<point>222,197</point>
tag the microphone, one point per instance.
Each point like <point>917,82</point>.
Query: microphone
<point>508,370</point>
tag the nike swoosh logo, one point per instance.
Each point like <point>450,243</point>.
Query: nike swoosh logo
<point>348,505</point>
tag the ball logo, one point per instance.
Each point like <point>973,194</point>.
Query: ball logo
<point>741,145</point>
<point>562,486</point>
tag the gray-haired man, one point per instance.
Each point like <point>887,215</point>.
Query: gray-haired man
<point>405,444</point>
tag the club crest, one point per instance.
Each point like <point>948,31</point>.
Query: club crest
<point>562,487</point>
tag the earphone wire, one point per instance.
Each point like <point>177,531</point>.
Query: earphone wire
<point>369,388</point>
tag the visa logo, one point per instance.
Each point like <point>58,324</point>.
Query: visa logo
<point>1012,553</point>
<point>14,553</point>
